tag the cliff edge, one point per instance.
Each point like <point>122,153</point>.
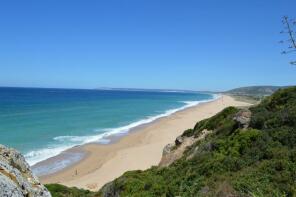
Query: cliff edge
<point>16,177</point>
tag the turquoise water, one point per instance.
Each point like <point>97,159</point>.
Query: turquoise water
<point>42,123</point>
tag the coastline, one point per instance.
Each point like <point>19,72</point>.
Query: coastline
<point>138,150</point>
<point>69,155</point>
<point>40,156</point>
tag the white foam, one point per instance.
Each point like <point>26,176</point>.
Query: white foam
<point>34,157</point>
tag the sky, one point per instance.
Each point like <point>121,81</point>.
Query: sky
<point>166,44</point>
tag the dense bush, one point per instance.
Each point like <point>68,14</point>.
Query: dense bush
<point>58,190</point>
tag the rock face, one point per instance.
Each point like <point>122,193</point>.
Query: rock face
<point>168,149</point>
<point>243,118</point>
<point>173,152</point>
<point>179,140</point>
<point>16,177</point>
<point>109,190</point>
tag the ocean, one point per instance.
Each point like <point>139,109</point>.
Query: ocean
<point>41,123</point>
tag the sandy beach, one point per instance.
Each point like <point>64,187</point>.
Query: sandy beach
<point>138,150</point>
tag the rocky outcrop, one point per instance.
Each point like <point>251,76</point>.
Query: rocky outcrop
<point>16,177</point>
<point>243,118</point>
<point>173,152</point>
<point>109,190</point>
<point>179,140</point>
<point>168,149</point>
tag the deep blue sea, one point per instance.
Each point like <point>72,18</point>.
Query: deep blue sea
<point>42,123</point>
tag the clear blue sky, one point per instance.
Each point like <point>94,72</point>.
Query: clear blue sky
<point>191,44</point>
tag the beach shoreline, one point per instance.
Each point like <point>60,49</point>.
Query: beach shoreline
<point>72,155</point>
<point>140,149</point>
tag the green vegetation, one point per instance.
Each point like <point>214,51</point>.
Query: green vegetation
<point>247,99</point>
<point>57,190</point>
<point>256,160</point>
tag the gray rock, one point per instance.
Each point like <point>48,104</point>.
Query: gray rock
<point>16,177</point>
<point>243,118</point>
<point>179,140</point>
<point>8,187</point>
<point>167,149</point>
<point>110,190</point>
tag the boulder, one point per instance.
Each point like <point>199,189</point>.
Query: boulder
<point>179,140</point>
<point>243,118</point>
<point>16,177</point>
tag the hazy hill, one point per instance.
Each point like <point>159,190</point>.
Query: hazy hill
<point>254,90</point>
